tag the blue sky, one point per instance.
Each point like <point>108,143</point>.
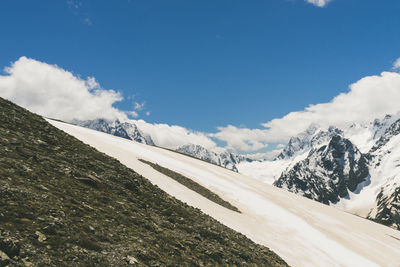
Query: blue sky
<point>204,64</point>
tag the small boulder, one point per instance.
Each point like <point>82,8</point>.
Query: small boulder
<point>41,237</point>
<point>131,260</point>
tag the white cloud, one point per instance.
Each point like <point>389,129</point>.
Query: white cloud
<point>74,4</point>
<point>269,155</point>
<point>318,3</point>
<point>242,139</point>
<point>134,114</point>
<point>87,21</point>
<point>138,106</point>
<point>54,92</point>
<point>396,64</point>
<point>369,98</point>
<point>172,136</point>
<point>280,146</point>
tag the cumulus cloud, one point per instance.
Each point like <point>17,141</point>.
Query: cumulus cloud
<point>396,64</point>
<point>318,3</point>
<point>172,136</point>
<point>369,98</point>
<point>269,155</point>
<point>54,92</point>
<point>138,106</point>
<point>134,114</point>
<point>242,139</point>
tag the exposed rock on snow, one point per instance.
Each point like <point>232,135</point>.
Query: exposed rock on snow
<point>313,137</point>
<point>127,130</point>
<point>328,172</point>
<point>130,130</point>
<point>303,232</point>
<point>225,159</point>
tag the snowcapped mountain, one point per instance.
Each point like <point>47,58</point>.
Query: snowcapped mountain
<point>224,158</point>
<point>384,159</point>
<point>356,169</point>
<point>328,173</point>
<point>296,150</point>
<point>127,130</point>
<point>313,137</point>
<point>365,135</point>
<point>301,231</point>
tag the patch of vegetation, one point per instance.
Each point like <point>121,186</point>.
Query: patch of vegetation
<point>189,183</point>
<point>63,203</point>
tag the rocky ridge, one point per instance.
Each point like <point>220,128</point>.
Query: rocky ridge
<point>328,173</point>
<point>63,203</point>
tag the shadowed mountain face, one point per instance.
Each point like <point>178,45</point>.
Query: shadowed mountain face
<point>384,157</point>
<point>64,203</point>
<point>328,173</point>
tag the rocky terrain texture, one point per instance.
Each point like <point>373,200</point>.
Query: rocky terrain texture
<point>192,185</point>
<point>334,167</point>
<point>388,209</point>
<point>328,173</point>
<point>63,203</point>
<point>312,138</point>
<point>384,159</point>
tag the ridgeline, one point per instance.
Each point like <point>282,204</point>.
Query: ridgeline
<point>63,203</point>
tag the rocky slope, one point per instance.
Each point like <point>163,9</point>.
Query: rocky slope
<point>328,173</point>
<point>312,138</point>
<point>384,159</point>
<point>329,167</point>
<point>302,231</point>
<point>63,203</point>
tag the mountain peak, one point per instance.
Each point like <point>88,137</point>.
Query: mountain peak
<point>328,172</point>
<point>311,138</point>
<point>126,129</point>
<point>224,158</point>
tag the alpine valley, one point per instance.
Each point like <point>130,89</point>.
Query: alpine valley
<point>356,168</point>
<point>74,196</point>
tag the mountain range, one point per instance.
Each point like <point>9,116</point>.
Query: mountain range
<point>355,168</point>
<point>351,168</point>
<point>130,130</point>
<point>64,203</point>
<point>74,196</point>
<point>303,232</point>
